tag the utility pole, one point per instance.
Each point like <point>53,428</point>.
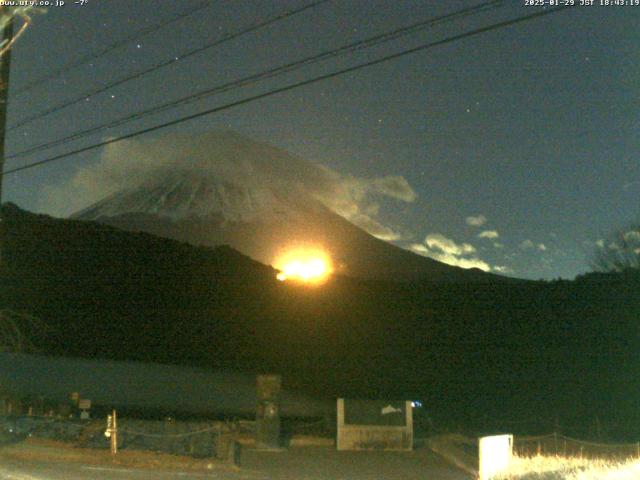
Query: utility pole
<point>5,64</point>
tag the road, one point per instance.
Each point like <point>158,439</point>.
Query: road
<point>305,463</point>
<point>21,470</point>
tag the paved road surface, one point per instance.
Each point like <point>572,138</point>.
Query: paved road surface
<point>20,470</point>
<point>304,463</point>
<point>315,463</point>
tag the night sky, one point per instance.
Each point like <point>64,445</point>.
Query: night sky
<point>521,144</point>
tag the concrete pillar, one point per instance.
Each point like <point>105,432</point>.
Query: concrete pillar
<point>268,411</point>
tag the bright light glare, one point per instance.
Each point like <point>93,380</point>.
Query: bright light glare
<point>305,265</point>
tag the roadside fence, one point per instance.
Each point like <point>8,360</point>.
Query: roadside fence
<point>191,438</point>
<point>561,445</point>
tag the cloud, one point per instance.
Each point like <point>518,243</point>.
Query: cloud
<point>419,248</point>
<point>476,221</point>
<point>445,250</point>
<point>448,246</point>
<point>461,262</point>
<point>236,160</point>
<point>632,236</point>
<point>488,234</point>
<point>526,244</point>
<point>450,259</point>
<point>502,269</point>
<point>393,186</point>
<point>623,242</point>
<point>631,241</point>
<point>498,245</point>
<point>374,227</point>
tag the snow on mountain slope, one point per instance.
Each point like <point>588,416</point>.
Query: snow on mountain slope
<point>188,195</point>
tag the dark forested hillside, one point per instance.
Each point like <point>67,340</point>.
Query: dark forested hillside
<point>482,355</point>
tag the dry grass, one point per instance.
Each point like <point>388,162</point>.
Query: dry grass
<point>54,451</point>
<point>566,468</point>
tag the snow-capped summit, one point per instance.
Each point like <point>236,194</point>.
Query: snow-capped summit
<point>188,195</point>
<point>214,174</point>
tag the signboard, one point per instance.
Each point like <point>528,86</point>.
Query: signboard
<point>374,425</point>
<point>495,454</point>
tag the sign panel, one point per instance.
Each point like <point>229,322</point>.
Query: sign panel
<point>495,454</point>
<point>374,425</point>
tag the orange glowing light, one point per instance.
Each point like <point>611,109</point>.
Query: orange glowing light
<point>304,265</point>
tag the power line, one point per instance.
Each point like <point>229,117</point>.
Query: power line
<point>242,82</point>
<point>286,88</point>
<point>171,61</point>
<point>109,48</point>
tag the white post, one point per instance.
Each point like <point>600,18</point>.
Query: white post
<point>340,426</point>
<point>408,406</point>
<point>114,433</point>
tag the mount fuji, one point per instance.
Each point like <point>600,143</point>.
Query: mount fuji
<point>223,188</point>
